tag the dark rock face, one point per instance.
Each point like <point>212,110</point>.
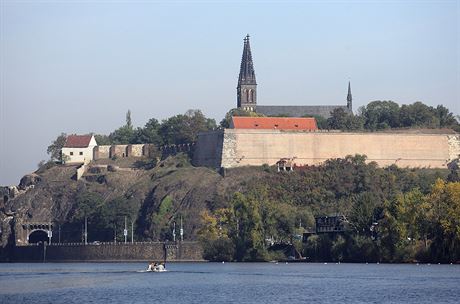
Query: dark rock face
<point>29,180</point>
<point>51,197</point>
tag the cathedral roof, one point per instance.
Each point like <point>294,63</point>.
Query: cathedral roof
<point>299,111</point>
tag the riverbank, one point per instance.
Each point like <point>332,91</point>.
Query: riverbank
<point>106,252</point>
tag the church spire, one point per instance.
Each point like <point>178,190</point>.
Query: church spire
<point>247,85</point>
<point>247,74</point>
<point>349,98</point>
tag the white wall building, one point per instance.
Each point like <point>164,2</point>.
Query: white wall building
<point>79,148</point>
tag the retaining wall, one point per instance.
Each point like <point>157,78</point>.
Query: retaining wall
<point>179,251</point>
<point>257,147</point>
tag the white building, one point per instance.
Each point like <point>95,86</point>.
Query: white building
<point>79,148</point>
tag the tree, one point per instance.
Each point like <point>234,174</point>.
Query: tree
<point>362,214</point>
<point>149,134</point>
<point>55,149</point>
<point>381,115</point>
<point>181,129</point>
<point>225,123</point>
<point>321,122</point>
<point>102,140</point>
<point>419,115</point>
<point>445,117</point>
<point>338,119</point>
<point>249,238</point>
<point>128,120</point>
<point>122,136</point>
<point>445,215</point>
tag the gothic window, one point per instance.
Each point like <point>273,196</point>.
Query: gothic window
<point>247,95</point>
<point>252,96</point>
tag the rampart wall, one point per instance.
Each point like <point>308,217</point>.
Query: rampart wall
<point>257,147</point>
<point>139,150</point>
<point>208,150</point>
<point>103,152</point>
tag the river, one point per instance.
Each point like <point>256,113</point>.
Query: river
<point>229,283</point>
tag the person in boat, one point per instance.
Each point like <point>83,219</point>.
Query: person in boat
<point>161,267</point>
<point>152,266</point>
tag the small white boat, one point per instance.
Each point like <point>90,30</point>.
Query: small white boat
<point>157,268</point>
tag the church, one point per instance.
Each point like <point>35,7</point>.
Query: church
<point>247,94</point>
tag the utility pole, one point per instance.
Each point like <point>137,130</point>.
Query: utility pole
<point>50,234</point>
<point>115,233</point>
<point>237,227</point>
<point>174,232</point>
<point>181,230</point>
<point>59,234</point>
<point>86,230</point>
<point>125,232</point>
<point>132,231</point>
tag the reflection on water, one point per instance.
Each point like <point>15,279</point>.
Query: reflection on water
<point>229,282</point>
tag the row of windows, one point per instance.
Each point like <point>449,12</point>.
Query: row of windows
<point>79,153</point>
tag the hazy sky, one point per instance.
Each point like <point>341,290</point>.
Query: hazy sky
<point>78,66</point>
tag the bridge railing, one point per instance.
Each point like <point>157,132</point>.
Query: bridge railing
<point>113,243</point>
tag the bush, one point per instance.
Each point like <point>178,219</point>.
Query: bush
<point>221,249</point>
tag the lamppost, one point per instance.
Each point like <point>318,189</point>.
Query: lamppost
<point>86,230</point>
<point>132,231</point>
<point>174,231</point>
<point>181,230</point>
<point>125,231</point>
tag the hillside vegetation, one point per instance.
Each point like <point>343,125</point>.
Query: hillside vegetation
<point>394,214</point>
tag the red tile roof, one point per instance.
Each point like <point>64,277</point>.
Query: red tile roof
<point>77,141</point>
<point>279,123</point>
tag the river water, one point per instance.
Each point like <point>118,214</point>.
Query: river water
<point>229,283</point>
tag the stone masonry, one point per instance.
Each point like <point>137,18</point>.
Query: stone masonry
<point>257,147</point>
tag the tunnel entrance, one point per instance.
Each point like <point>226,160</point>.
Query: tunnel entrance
<point>38,236</point>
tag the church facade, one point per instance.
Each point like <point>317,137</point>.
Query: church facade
<point>247,94</point>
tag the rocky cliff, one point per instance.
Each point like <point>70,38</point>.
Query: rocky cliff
<point>156,196</point>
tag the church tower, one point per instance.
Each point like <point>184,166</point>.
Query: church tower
<point>349,99</point>
<point>247,86</point>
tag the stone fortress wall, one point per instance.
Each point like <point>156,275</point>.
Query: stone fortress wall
<point>139,150</point>
<point>257,147</point>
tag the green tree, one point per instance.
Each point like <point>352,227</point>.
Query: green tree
<point>181,129</point>
<point>129,123</point>
<point>102,140</point>
<point>225,123</point>
<point>249,235</point>
<point>149,134</point>
<point>419,115</point>
<point>445,117</point>
<point>54,150</point>
<point>381,115</point>
<point>338,119</point>
<point>122,136</point>
<point>362,215</point>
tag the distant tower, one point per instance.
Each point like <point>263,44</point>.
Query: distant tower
<point>349,99</point>
<point>247,86</point>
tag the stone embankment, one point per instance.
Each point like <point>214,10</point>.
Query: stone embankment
<point>107,252</point>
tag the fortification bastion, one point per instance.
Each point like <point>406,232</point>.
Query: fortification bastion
<point>245,147</point>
